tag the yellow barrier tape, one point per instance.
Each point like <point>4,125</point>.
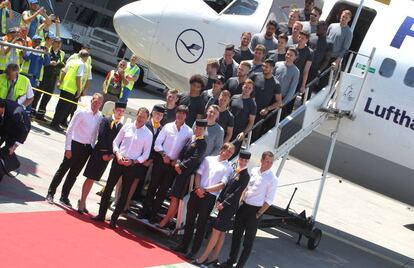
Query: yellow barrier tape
<point>59,97</point>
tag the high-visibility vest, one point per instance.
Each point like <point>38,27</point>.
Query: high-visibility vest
<point>5,60</point>
<point>69,81</point>
<point>60,60</point>
<point>131,70</point>
<point>3,20</point>
<point>20,88</point>
<point>38,31</point>
<point>88,66</point>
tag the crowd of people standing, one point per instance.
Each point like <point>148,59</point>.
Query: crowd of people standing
<point>194,133</point>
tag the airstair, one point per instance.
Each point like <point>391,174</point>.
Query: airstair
<point>335,102</point>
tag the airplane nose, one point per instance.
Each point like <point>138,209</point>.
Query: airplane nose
<point>137,24</point>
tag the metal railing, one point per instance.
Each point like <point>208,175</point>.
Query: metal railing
<point>279,110</point>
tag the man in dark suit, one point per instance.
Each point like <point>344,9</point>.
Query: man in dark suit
<point>102,153</point>
<point>14,124</point>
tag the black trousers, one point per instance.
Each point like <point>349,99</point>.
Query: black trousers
<point>80,154</point>
<point>202,208</point>
<point>246,223</point>
<point>48,85</point>
<point>162,178</point>
<point>128,175</point>
<point>63,107</point>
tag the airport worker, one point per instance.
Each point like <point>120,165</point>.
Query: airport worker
<point>25,39</point>
<point>14,125</point>
<point>6,13</point>
<point>154,125</point>
<point>71,87</point>
<point>169,144</point>
<point>227,204</point>
<point>15,87</point>
<point>102,153</point>
<point>50,75</point>
<point>34,62</point>
<point>188,162</point>
<point>10,54</point>
<point>132,72</point>
<point>114,82</point>
<point>211,177</point>
<point>34,18</point>
<point>132,147</point>
<point>193,100</point>
<point>80,139</point>
<point>257,198</point>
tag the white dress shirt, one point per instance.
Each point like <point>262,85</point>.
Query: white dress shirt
<point>83,128</point>
<point>213,171</point>
<point>261,188</point>
<point>133,143</point>
<point>171,140</point>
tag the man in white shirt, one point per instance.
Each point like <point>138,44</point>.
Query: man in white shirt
<point>132,147</point>
<point>80,138</point>
<point>258,197</point>
<point>169,144</point>
<point>211,177</point>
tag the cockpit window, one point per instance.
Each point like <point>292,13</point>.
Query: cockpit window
<point>242,7</point>
<point>218,5</point>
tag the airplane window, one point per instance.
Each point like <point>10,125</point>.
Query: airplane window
<point>409,77</point>
<point>242,7</point>
<point>387,67</point>
<point>218,5</point>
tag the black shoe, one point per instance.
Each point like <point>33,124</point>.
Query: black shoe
<point>190,255</point>
<point>113,225</point>
<point>64,124</point>
<point>98,218</point>
<point>142,215</point>
<point>153,219</point>
<point>40,118</point>
<point>226,264</point>
<point>49,199</point>
<point>65,201</point>
<point>81,211</point>
<point>214,263</point>
<point>56,128</point>
<point>179,249</point>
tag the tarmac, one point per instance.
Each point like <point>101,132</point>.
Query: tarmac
<point>360,228</point>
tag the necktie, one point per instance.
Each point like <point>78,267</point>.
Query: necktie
<point>11,91</point>
<point>155,124</point>
<point>113,123</point>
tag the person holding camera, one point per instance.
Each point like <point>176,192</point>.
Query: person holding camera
<point>50,75</point>
<point>5,13</point>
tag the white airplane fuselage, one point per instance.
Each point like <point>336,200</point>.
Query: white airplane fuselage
<point>376,149</point>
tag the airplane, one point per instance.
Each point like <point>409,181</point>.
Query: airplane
<point>375,149</point>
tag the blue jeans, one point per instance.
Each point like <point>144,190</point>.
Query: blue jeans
<point>125,94</point>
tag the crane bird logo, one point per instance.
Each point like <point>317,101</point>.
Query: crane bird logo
<point>189,46</point>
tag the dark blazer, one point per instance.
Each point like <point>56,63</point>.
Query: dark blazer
<point>230,195</point>
<point>190,156</point>
<point>15,124</point>
<point>150,126</point>
<point>106,135</point>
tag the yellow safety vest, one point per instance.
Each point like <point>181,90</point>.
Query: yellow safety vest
<point>38,31</point>
<point>131,70</point>
<point>4,20</point>
<point>20,88</point>
<point>5,60</point>
<point>60,60</point>
<point>88,67</point>
<point>69,81</point>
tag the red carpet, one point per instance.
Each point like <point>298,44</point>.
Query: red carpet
<point>56,239</point>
